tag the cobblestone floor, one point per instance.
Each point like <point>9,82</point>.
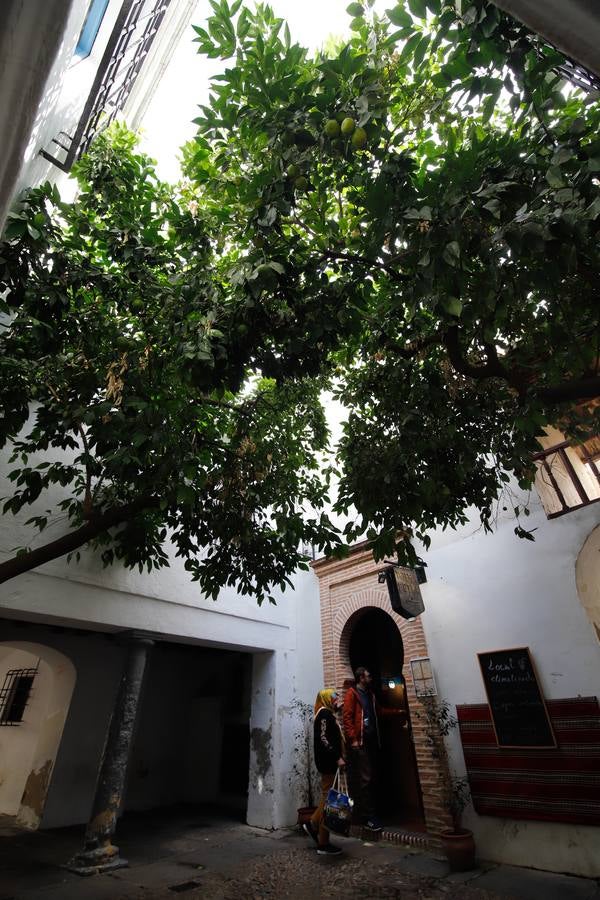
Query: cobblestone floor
<point>198,854</point>
<point>299,875</point>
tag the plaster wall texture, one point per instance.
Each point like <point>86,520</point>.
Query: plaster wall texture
<point>288,665</point>
<point>280,679</point>
<point>32,52</point>
<point>487,592</point>
<point>98,664</point>
<point>18,743</point>
<point>588,578</point>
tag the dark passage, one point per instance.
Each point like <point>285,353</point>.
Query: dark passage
<point>376,644</point>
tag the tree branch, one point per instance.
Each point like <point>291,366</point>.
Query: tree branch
<point>582,389</point>
<point>409,351</point>
<point>578,389</point>
<point>95,526</point>
<point>493,368</point>
<point>87,503</point>
<point>364,261</point>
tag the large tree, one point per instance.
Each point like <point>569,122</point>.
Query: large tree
<point>410,218</point>
<point>439,171</point>
<point>144,399</point>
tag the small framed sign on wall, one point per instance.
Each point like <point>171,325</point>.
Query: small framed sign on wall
<point>516,702</point>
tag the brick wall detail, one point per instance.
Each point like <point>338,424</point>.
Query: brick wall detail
<point>348,589</point>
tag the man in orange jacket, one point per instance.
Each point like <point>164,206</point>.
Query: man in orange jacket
<point>363,741</point>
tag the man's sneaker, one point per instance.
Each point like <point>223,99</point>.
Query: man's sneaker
<point>374,824</point>
<point>329,850</point>
<point>308,829</point>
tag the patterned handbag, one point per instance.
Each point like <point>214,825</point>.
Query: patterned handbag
<point>337,815</point>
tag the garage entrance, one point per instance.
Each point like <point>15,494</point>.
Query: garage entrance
<point>192,740</point>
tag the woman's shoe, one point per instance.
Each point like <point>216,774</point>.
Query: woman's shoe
<point>329,850</point>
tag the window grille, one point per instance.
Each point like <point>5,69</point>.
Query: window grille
<point>127,48</point>
<point>15,694</point>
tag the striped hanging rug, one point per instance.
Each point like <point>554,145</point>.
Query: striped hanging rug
<point>557,784</point>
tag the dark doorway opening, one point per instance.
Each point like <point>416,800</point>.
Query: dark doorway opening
<point>192,738</point>
<point>376,644</point>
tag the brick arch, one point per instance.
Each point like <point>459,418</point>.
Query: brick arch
<point>343,602</point>
<point>346,618</point>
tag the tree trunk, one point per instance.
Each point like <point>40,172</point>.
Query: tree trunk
<point>31,559</point>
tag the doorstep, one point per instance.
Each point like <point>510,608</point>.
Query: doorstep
<point>400,836</point>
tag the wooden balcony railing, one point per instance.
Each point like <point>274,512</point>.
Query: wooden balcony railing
<point>568,477</point>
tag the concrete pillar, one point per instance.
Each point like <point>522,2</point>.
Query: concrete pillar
<point>273,791</point>
<point>263,739</point>
<point>99,854</point>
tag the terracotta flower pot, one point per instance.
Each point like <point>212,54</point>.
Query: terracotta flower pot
<point>305,813</point>
<point>459,847</point>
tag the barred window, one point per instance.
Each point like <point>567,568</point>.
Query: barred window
<point>15,694</point>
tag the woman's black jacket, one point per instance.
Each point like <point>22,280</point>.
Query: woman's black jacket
<point>327,742</point>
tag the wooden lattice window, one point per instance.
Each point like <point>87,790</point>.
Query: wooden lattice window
<point>568,476</point>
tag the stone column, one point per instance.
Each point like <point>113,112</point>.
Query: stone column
<point>99,854</point>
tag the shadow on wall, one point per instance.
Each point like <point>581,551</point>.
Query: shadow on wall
<point>38,686</point>
<point>587,572</point>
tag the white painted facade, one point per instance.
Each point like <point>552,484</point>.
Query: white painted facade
<point>483,592</point>
<point>44,85</point>
<point>283,642</point>
<point>490,592</point>
<point>80,610</point>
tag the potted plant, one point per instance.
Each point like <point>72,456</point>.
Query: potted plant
<point>303,772</point>
<point>458,841</point>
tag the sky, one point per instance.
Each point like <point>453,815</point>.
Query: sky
<point>167,123</point>
<point>168,120</point>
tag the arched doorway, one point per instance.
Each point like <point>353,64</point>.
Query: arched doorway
<point>36,686</point>
<point>375,642</point>
<point>587,570</point>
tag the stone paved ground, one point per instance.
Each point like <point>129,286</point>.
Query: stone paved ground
<point>299,875</point>
<point>197,854</point>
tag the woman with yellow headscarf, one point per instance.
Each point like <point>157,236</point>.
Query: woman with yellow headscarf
<point>329,756</point>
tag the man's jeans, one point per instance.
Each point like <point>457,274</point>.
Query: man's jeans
<point>363,777</point>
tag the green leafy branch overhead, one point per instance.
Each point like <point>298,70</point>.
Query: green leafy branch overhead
<point>440,175</point>
<point>410,217</point>
<point>138,397</point>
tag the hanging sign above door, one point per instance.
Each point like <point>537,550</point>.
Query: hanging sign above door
<point>404,590</point>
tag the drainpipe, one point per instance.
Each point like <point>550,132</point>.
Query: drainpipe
<point>99,854</point>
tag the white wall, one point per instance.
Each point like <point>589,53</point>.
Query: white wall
<point>588,578</point>
<point>28,750</point>
<point>18,743</point>
<point>287,666</point>
<point>43,86</point>
<point>31,47</point>
<point>66,90</point>
<point>488,592</point>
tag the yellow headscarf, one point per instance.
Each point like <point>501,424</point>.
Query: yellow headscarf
<point>325,700</point>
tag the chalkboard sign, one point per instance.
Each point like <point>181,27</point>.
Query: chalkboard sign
<point>516,703</point>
